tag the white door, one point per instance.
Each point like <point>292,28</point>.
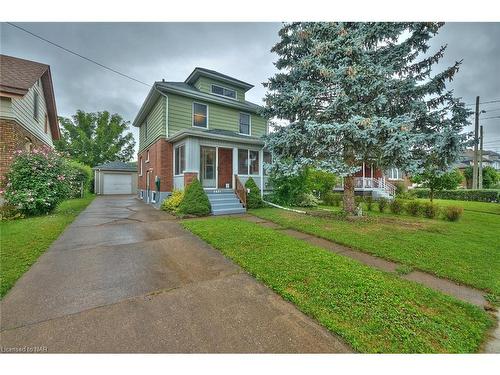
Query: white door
<point>117,183</point>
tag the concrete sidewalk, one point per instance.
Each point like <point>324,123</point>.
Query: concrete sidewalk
<point>125,277</point>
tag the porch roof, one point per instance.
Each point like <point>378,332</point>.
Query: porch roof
<point>220,134</point>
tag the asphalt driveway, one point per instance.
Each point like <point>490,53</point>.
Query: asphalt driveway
<point>125,277</point>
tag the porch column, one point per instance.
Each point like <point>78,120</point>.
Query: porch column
<point>235,165</point>
<point>261,171</point>
<point>363,175</point>
<point>371,171</point>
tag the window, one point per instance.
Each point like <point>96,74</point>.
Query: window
<point>395,174</point>
<point>46,124</point>
<point>35,106</point>
<point>219,90</point>
<point>248,162</point>
<point>200,115</point>
<point>147,156</point>
<point>267,160</point>
<point>153,197</point>
<point>244,123</point>
<point>146,130</point>
<point>180,160</point>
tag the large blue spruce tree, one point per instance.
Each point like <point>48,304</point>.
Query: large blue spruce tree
<point>362,92</point>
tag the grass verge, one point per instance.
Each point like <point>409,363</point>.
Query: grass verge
<point>373,311</point>
<point>24,240</point>
<point>467,251</point>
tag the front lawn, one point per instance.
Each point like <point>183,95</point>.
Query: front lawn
<point>467,251</point>
<point>372,310</point>
<point>492,208</point>
<point>24,240</point>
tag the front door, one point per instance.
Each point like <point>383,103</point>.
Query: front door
<point>207,166</point>
<point>225,168</point>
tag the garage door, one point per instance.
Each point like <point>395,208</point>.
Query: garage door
<point>117,183</point>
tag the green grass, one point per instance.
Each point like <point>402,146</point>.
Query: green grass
<point>467,251</point>
<point>372,310</point>
<point>24,240</point>
<point>484,207</point>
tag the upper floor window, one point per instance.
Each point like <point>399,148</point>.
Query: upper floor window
<point>46,124</point>
<point>147,156</point>
<point>244,123</point>
<point>200,115</point>
<point>180,159</point>
<point>146,130</point>
<point>35,106</point>
<point>395,174</point>
<point>219,90</point>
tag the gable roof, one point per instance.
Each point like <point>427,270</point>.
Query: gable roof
<point>198,71</point>
<point>17,76</point>
<point>118,166</point>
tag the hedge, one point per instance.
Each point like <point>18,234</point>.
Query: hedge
<point>461,195</point>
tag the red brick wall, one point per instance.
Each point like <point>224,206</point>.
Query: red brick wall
<point>160,164</point>
<point>377,173</point>
<point>12,138</point>
<point>189,177</point>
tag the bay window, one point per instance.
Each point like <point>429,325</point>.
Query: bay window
<point>180,159</point>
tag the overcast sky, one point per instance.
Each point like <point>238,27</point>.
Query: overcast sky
<point>152,51</point>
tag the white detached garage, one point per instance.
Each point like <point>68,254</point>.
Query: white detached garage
<point>115,177</point>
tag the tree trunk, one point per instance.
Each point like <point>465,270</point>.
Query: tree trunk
<point>349,203</point>
<point>431,194</point>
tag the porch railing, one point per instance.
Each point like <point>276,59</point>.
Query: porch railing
<point>372,183</point>
<point>240,190</point>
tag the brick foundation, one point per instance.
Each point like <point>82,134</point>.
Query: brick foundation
<point>160,164</point>
<point>13,137</point>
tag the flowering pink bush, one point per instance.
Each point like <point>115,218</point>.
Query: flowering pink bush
<point>35,183</point>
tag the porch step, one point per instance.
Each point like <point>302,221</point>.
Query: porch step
<point>225,202</point>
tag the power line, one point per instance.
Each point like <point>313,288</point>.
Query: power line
<point>489,118</point>
<point>78,55</point>
<point>488,102</point>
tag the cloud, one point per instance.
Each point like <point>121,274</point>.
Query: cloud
<point>152,51</point>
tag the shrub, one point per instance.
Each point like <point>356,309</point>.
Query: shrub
<point>369,202</point>
<point>430,210</point>
<point>396,206</point>
<point>254,199</point>
<point>36,181</point>
<point>332,199</point>
<point>400,189</point>
<point>307,200</point>
<point>195,202</point>
<point>408,195</point>
<point>461,194</point>
<point>320,181</point>
<point>286,190</point>
<point>414,208</point>
<point>358,199</point>
<point>382,204</point>
<point>9,212</point>
<point>79,177</point>
<point>171,204</point>
<point>453,213</point>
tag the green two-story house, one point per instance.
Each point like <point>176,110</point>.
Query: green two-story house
<point>204,128</point>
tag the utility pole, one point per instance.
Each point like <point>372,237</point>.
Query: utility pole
<point>480,174</point>
<point>476,141</point>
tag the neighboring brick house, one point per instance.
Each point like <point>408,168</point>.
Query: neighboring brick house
<point>204,128</point>
<point>28,115</point>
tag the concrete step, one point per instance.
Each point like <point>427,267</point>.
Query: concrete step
<point>220,206</point>
<point>229,211</point>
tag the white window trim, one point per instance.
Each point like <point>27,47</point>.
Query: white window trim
<point>223,88</point>
<point>192,115</point>
<point>249,124</point>
<point>248,166</point>
<point>399,174</point>
<point>175,158</point>
<point>147,156</point>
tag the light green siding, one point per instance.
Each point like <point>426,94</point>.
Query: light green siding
<point>156,123</point>
<point>204,84</point>
<point>180,110</point>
